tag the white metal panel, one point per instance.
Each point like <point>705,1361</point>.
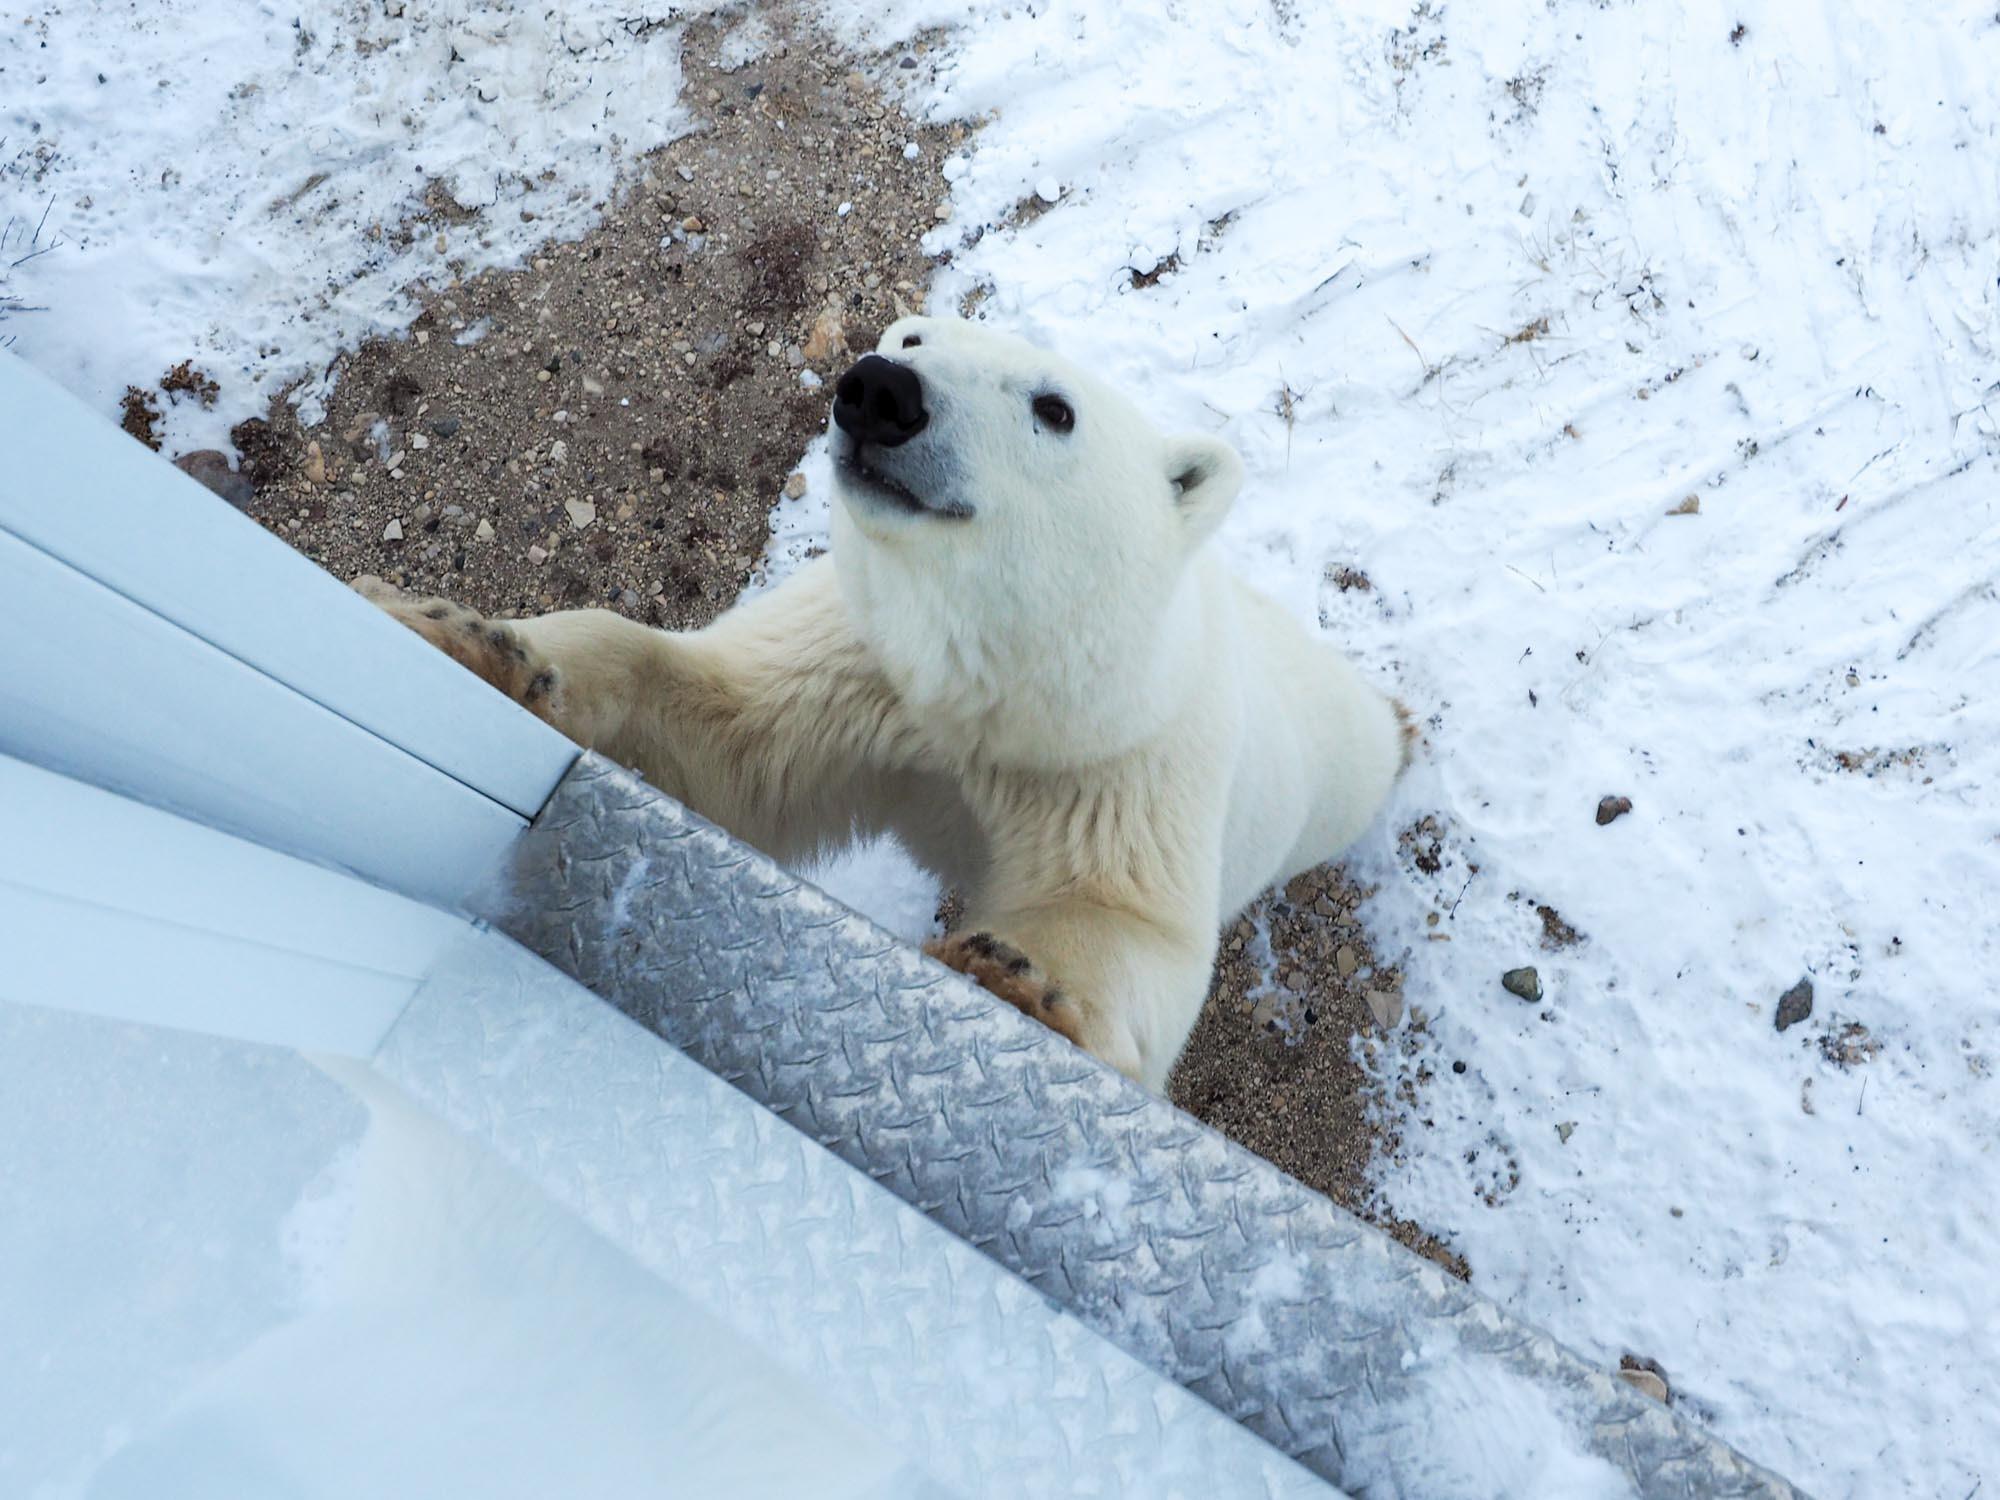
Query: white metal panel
<point>99,688</point>
<point>80,490</point>
<point>118,909</point>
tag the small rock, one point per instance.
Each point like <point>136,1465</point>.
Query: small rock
<point>827,338</point>
<point>419,442</point>
<point>1522,982</point>
<point>210,468</point>
<point>581,513</point>
<point>1688,507</point>
<point>1564,1130</point>
<point>1344,959</point>
<point>1611,809</point>
<point>446,427</point>
<point>686,174</point>
<point>558,451</point>
<point>1646,1375</point>
<point>1795,1004</point>
<point>1645,1382</point>
<point>1386,1006</point>
<point>484,530</point>
<point>538,555</point>
<point>315,463</point>
<point>795,487</point>
<point>393,532</point>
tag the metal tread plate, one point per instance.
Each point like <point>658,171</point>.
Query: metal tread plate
<point>1369,1365</point>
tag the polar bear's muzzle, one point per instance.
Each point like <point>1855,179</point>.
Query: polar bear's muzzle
<point>878,406</point>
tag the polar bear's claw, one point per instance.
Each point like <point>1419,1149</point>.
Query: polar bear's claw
<point>489,649</point>
<point>1010,974</point>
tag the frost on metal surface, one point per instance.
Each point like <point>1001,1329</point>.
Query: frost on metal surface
<point>1367,1364</point>
<point>975,1382</point>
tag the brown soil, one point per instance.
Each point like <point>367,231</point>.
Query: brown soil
<point>139,414</point>
<point>611,424</point>
<point>1271,1063</point>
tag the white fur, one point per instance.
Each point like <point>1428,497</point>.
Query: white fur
<point>1056,696</point>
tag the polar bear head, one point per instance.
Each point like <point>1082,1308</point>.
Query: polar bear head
<point>1015,539</point>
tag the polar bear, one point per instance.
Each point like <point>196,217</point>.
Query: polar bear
<point>1020,659</point>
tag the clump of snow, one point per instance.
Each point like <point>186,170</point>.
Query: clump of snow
<point>256,189</point>
<point>1645,363</point>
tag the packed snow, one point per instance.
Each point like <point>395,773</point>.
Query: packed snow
<point>1644,360</point>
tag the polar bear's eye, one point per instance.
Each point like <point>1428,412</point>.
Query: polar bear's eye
<point>911,340</point>
<point>1053,411</point>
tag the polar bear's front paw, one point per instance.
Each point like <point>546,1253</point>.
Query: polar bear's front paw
<point>490,649</point>
<point>1009,973</point>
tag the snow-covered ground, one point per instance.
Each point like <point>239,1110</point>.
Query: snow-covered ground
<point>259,187</point>
<point>1645,359</point>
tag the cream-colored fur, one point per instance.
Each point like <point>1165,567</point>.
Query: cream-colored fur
<point>1042,682</point>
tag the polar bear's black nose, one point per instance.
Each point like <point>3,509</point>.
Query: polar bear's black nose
<point>879,401</point>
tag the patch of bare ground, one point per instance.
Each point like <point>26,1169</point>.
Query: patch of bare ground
<point>1272,1061</point>
<point>610,424</point>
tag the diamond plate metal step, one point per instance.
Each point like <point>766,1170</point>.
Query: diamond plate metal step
<point>1367,1364</point>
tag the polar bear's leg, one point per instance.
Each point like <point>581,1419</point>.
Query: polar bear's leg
<point>772,722</point>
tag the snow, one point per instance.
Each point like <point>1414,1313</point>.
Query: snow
<point>1484,295</point>
<point>245,185</point>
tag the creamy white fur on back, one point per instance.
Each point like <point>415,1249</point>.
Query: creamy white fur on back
<point>1022,660</point>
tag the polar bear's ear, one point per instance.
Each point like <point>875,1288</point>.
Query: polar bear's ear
<point>1206,474</point>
